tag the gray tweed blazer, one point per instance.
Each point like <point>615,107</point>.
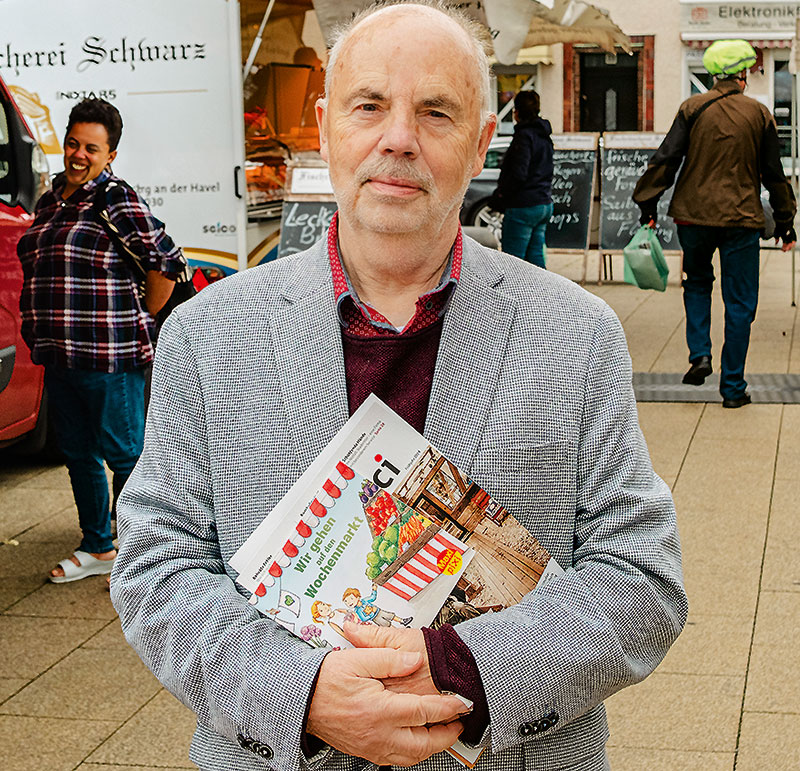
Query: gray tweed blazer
<point>531,396</point>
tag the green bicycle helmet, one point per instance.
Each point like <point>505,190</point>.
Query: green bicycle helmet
<point>727,57</point>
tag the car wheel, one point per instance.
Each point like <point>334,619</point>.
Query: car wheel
<point>483,216</point>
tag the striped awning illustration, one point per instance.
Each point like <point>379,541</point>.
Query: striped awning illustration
<point>423,567</point>
<point>324,500</point>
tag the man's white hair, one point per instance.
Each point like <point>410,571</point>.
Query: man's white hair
<point>476,37</point>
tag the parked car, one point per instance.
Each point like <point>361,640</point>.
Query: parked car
<point>475,211</point>
<point>23,178</point>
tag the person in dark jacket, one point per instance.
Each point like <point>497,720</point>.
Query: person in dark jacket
<point>730,146</point>
<point>523,189</point>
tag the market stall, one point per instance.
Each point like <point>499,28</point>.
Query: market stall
<point>284,51</point>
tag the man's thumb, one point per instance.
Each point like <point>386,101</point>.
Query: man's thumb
<point>369,635</point>
<point>381,663</point>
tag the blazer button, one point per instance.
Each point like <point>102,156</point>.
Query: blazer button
<point>526,729</point>
<point>265,751</point>
<point>244,742</point>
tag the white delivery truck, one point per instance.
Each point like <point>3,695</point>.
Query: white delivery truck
<point>173,69</point>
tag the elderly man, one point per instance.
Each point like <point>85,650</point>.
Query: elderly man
<point>519,376</point>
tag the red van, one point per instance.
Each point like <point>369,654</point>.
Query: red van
<point>23,178</point>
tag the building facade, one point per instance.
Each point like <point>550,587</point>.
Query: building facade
<point>587,89</point>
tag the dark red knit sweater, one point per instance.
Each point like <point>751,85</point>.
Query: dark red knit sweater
<point>399,370</point>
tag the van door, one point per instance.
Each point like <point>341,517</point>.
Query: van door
<point>20,379</point>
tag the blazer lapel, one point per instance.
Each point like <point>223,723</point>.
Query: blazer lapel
<point>471,355</point>
<point>309,360</point>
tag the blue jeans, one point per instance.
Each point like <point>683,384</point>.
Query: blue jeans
<point>523,232</point>
<point>98,417</point>
<point>739,262</point>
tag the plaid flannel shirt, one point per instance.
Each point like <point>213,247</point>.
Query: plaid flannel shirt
<point>80,302</point>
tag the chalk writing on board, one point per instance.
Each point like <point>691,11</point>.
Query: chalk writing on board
<point>303,223</point>
<point>572,197</point>
<point>619,215</point>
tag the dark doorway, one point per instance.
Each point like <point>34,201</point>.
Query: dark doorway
<point>609,95</point>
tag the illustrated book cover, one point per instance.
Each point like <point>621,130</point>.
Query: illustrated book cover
<point>383,529</point>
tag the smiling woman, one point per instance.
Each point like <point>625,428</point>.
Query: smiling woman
<point>87,151</point>
<point>84,320</point>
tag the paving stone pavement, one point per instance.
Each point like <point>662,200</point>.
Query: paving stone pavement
<point>74,696</point>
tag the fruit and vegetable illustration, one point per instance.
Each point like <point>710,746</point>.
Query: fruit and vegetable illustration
<point>393,524</point>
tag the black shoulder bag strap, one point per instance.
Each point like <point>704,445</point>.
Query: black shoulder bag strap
<point>100,211</point>
<point>691,122</point>
<point>184,288</point>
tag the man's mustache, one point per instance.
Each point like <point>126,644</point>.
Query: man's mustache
<point>394,167</point>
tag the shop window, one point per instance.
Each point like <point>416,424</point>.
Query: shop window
<point>700,81</point>
<point>509,83</point>
<point>782,110</point>
<point>609,98</point>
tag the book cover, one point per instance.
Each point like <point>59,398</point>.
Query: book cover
<point>383,529</point>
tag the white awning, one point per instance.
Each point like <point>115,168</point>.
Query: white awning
<point>514,24</point>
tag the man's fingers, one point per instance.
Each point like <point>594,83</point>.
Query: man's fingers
<point>411,710</point>
<point>369,635</point>
<point>380,663</point>
<point>420,743</point>
<point>441,736</point>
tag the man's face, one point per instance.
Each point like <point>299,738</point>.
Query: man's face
<point>86,153</point>
<point>402,130</point>
<point>350,600</point>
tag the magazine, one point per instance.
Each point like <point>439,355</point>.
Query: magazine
<point>383,529</point>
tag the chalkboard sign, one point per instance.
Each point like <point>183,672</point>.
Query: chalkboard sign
<point>623,160</point>
<point>303,223</point>
<point>574,162</point>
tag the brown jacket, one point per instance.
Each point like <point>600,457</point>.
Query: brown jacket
<point>730,147</point>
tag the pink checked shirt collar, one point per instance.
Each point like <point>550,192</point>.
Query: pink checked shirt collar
<point>361,319</point>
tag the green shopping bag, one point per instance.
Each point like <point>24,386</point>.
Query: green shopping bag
<point>645,265</point>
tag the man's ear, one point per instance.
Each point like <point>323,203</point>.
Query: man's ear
<point>483,143</point>
<point>111,156</point>
<point>319,108</point>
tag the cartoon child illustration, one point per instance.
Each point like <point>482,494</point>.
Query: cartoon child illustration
<point>365,611</point>
<point>323,613</point>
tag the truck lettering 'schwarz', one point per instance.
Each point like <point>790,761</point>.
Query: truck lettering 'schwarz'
<point>97,51</point>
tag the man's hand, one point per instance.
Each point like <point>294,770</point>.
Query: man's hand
<point>785,233</point>
<point>648,213</point>
<point>409,640</point>
<point>353,712</point>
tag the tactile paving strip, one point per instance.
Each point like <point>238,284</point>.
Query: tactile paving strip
<point>775,388</point>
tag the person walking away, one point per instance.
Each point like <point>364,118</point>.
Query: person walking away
<point>730,146</point>
<point>84,320</point>
<point>524,186</point>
